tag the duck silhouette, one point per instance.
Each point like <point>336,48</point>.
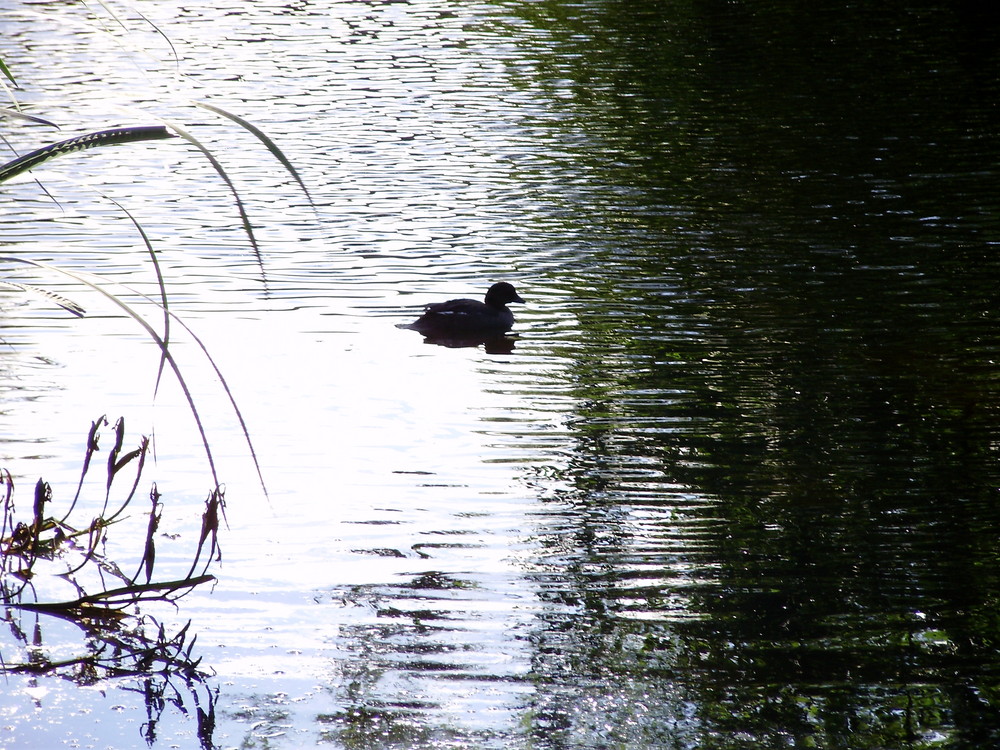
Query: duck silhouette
<point>468,319</point>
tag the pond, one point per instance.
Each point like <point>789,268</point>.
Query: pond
<point>733,483</point>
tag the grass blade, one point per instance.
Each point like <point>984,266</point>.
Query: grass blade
<point>18,115</point>
<point>81,277</point>
<point>263,138</point>
<point>181,381</point>
<point>110,137</point>
<point>65,304</point>
<point>244,217</point>
<point>159,281</point>
<point>6,71</point>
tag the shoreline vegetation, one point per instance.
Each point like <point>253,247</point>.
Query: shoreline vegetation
<point>54,558</point>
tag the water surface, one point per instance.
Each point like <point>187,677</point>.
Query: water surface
<point>734,486</point>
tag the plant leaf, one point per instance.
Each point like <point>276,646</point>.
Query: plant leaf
<point>6,71</point>
<point>7,112</point>
<point>65,304</point>
<point>244,217</point>
<point>81,143</point>
<point>263,138</point>
<point>88,280</point>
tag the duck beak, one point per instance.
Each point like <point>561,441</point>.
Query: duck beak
<point>518,299</point>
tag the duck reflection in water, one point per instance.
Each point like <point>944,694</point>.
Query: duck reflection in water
<point>468,322</point>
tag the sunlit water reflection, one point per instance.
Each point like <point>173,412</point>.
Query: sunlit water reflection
<point>733,486</point>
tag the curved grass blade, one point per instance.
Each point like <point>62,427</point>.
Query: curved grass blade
<point>17,115</point>
<point>6,71</point>
<point>263,138</point>
<point>110,11</point>
<point>83,279</point>
<point>66,304</point>
<point>158,30</point>
<point>244,217</point>
<point>79,276</point>
<point>222,381</point>
<point>81,143</point>
<point>159,281</point>
<point>225,387</point>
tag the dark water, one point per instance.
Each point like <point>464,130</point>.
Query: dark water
<point>753,416</point>
<point>779,525</point>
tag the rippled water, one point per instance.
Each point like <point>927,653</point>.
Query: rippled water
<point>734,486</point>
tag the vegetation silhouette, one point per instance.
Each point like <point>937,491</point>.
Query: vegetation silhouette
<point>56,563</point>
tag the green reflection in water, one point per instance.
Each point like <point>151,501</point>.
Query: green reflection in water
<point>779,523</point>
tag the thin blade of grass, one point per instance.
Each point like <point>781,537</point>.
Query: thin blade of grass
<point>6,71</point>
<point>160,283</point>
<point>114,136</point>
<point>66,304</point>
<point>110,11</point>
<point>225,387</point>
<point>263,138</point>
<point>244,217</point>
<point>158,30</point>
<point>181,381</point>
<point>222,381</point>
<point>18,115</point>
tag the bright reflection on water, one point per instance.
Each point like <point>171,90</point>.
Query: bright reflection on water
<point>735,484</point>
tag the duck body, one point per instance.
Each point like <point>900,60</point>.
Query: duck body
<point>466,318</point>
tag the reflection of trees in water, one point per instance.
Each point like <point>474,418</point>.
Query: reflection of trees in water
<point>778,523</point>
<point>417,639</point>
<point>788,536</point>
<point>46,556</point>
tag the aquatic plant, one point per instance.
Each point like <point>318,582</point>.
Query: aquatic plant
<point>124,135</point>
<point>54,563</point>
<point>93,560</point>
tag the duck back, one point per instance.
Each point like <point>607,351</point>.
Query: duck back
<point>469,317</point>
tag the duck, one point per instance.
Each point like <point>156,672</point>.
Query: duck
<point>469,318</point>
